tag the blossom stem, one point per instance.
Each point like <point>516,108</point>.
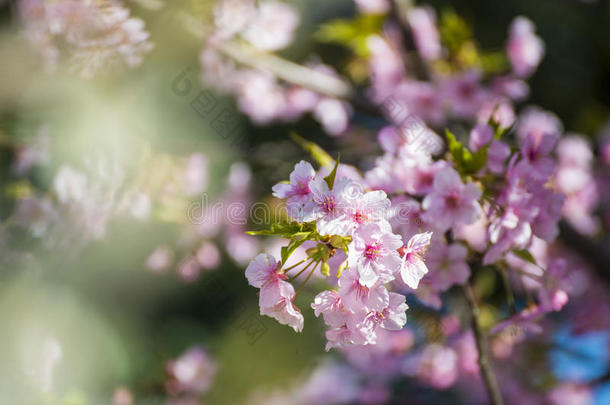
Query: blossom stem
<point>301,271</point>
<point>307,279</point>
<point>489,378</point>
<point>294,265</point>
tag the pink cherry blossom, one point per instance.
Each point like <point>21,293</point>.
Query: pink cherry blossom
<point>373,6</point>
<point>464,94</point>
<point>297,191</point>
<point>372,206</point>
<point>276,294</point>
<point>536,157</point>
<point>499,110</point>
<point>333,114</point>
<point>413,267</point>
<point>406,217</point>
<point>386,67</point>
<point>330,305</point>
<point>192,372</point>
<point>427,39</point>
<point>272,26</point>
<point>282,309</point>
<point>438,366</point>
<point>373,253</point>
<point>480,136</point>
<point>424,100</point>
<point>451,201</point>
<point>356,296</point>
<point>497,154</point>
<point>350,332</point>
<point>525,49</point>
<point>329,207</point>
<point>447,264</point>
<point>392,317</point>
<point>536,122</point>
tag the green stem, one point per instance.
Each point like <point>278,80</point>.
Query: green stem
<point>294,265</point>
<point>307,279</point>
<point>302,270</point>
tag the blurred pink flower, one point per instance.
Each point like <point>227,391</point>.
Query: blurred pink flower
<point>193,372</point>
<point>422,21</point>
<point>525,50</point>
<point>451,202</point>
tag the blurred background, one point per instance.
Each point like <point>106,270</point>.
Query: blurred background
<point>137,276</point>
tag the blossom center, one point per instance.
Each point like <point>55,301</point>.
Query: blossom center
<point>301,188</point>
<point>372,251</point>
<point>328,204</point>
<point>453,200</point>
<point>360,217</point>
<point>361,291</point>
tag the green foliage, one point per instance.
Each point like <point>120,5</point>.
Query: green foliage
<point>317,153</point>
<point>525,255</point>
<point>493,62</point>
<point>464,52</point>
<point>296,241</point>
<point>330,179</point>
<point>286,229</point>
<point>454,30</point>
<point>352,33</point>
<point>465,161</point>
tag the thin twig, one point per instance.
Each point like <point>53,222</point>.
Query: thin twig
<point>489,378</point>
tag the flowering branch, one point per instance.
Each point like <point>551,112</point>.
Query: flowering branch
<point>489,378</point>
<point>288,71</point>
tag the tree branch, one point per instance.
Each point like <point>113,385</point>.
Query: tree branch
<point>489,378</point>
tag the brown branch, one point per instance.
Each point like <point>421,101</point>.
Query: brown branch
<point>489,378</point>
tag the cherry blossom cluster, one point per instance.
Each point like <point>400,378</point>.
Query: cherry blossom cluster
<point>96,35</point>
<point>266,27</point>
<point>454,85</point>
<point>339,215</point>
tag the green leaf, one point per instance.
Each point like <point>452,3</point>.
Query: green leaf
<point>296,241</point>
<point>525,255</point>
<point>454,30</point>
<point>286,229</point>
<point>316,152</point>
<point>465,161</point>
<point>330,179</point>
<point>352,33</point>
<point>493,62</point>
<point>458,151</point>
<point>478,161</point>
